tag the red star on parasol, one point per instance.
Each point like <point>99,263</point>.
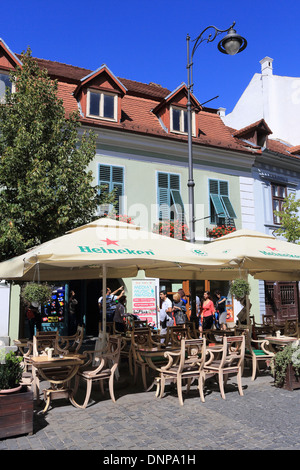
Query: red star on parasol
<point>110,242</point>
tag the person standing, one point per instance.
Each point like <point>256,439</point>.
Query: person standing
<point>111,299</point>
<point>179,310</point>
<point>207,311</point>
<point>33,318</point>
<point>221,309</point>
<point>165,314</point>
<point>120,314</point>
<point>73,304</point>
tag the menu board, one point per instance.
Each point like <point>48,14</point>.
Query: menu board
<point>145,298</point>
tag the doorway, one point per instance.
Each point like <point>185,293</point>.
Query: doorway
<point>282,300</point>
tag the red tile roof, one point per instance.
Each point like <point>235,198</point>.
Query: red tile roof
<point>137,105</point>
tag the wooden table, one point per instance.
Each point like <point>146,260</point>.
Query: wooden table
<point>58,371</point>
<point>278,342</point>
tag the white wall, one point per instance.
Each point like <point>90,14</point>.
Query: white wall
<point>275,99</point>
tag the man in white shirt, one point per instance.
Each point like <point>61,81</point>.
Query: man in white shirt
<point>165,314</point>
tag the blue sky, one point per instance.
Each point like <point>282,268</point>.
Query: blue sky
<point>146,41</point>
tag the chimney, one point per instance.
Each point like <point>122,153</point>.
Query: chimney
<point>266,66</point>
<point>221,112</point>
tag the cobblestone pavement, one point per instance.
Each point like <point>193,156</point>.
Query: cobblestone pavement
<point>265,418</point>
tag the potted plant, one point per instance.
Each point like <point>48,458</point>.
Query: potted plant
<point>240,288</point>
<point>36,294</point>
<point>285,367</point>
<point>10,372</point>
<point>220,231</point>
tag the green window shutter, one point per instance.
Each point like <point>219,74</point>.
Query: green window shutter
<point>169,195</point>
<point>218,206</point>
<point>113,178</point>
<point>228,206</point>
<point>219,197</point>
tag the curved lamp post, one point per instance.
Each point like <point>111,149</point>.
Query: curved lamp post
<point>231,44</point>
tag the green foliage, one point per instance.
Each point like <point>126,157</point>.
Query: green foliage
<point>290,354</point>
<point>33,292</point>
<point>239,288</point>
<point>10,371</point>
<point>45,186</point>
<point>289,217</point>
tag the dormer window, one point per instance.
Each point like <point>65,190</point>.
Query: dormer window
<point>102,105</point>
<point>179,121</point>
<point>4,84</point>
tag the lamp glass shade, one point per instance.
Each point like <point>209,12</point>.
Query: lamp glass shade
<point>232,46</point>
<point>232,43</point>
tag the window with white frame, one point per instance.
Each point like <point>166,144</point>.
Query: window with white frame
<point>179,120</point>
<point>170,205</point>
<point>4,84</point>
<point>102,105</point>
<point>220,204</point>
<point>112,178</point>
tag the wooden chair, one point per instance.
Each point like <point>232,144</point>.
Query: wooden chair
<point>105,370</point>
<point>193,330</point>
<point>140,324</point>
<point>72,343</point>
<point>291,328</point>
<point>267,327</point>
<point>216,336</point>
<point>187,364</point>
<point>256,351</point>
<point>230,362</point>
<point>141,338</point>
<point>175,334</point>
<point>110,328</point>
<point>43,340</point>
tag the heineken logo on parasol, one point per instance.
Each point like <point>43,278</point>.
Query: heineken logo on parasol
<point>123,251</point>
<point>199,252</point>
<point>275,252</point>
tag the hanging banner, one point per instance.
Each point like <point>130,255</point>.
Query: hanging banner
<point>145,298</point>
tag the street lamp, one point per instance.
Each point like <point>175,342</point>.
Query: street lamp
<point>231,44</point>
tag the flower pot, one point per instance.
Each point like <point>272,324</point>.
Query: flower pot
<point>292,381</point>
<point>10,390</point>
<point>16,413</point>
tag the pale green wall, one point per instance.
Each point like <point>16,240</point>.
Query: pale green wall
<point>14,315</point>
<point>254,299</point>
<point>141,187</point>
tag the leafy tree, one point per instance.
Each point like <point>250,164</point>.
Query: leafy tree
<point>289,217</point>
<point>44,183</point>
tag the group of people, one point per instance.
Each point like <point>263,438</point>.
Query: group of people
<point>208,313</point>
<point>171,312</point>
<point>115,307</point>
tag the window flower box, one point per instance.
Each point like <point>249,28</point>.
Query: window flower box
<point>172,229</point>
<point>219,231</point>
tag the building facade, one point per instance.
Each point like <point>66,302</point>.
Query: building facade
<point>142,153</point>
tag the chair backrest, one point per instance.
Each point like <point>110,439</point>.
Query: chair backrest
<point>268,320</point>
<point>233,351</point>
<point>176,333</point>
<point>141,336</point>
<point>114,348</point>
<point>291,328</point>
<point>109,327</point>
<point>192,353</point>
<point>140,323</point>
<point>43,340</point>
<point>193,331</point>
